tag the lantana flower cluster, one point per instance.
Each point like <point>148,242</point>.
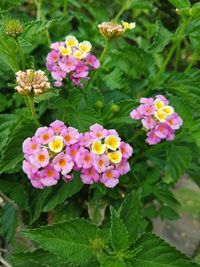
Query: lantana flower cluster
<point>56,151</point>
<point>158,118</point>
<point>71,59</point>
<point>31,82</point>
<point>102,156</point>
<point>48,154</point>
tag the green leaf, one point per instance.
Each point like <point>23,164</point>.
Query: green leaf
<point>34,28</point>
<point>37,258</point>
<point>6,5</point>
<point>131,215</point>
<point>113,79</point>
<point>118,232</point>
<point>161,39</point>
<point>114,263</point>
<point>71,241</point>
<point>62,192</point>
<point>16,192</point>
<point>8,222</point>
<point>156,253</point>
<point>13,155</point>
<point>180,4</point>
<point>178,160</point>
<point>83,119</point>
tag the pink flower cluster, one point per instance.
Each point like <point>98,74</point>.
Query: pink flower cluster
<point>158,119</point>
<point>48,154</point>
<point>102,156</point>
<point>71,59</point>
<point>55,151</point>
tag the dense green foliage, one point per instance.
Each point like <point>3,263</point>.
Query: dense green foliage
<point>75,225</point>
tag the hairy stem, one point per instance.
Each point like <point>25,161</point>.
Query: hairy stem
<point>23,61</point>
<point>32,109</point>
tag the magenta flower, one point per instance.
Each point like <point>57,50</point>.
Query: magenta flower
<point>126,150</point>
<point>58,74</point>
<point>40,158</point>
<point>86,140</point>
<point>92,61</point>
<point>70,135</point>
<point>123,167</point>
<point>158,119</point>
<point>84,159</point>
<point>152,138</point>
<point>89,176</point>
<point>68,64</point>
<point>97,131</point>
<point>71,60</point>
<point>63,163</point>
<point>110,178</point>
<point>49,155</point>
<point>101,163</point>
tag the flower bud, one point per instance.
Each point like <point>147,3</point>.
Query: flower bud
<point>14,28</point>
<point>99,104</point>
<point>115,108</point>
<point>31,82</point>
<point>110,29</point>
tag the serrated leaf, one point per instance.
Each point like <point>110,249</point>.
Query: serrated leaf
<point>8,222</point>
<point>15,191</point>
<point>156,253</point>
<point>71,241</point>
<point>83,119</point>
<point>114,263</point>
<point>118,232</point>
<point>161,39</point>
<point>34,28</point>
<point>62,192</point>
<point>180,4</point>
<point>178,160</point>
<point>37,258</point>
<point>113,79</point>
<point>131,215</point>
<point>6,5</point>
<point>13,155</point>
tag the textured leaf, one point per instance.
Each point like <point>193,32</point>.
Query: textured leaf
<point>8,222</point>
<point>156,253</point>
<point>34,28</point>
<point>13,151</point>
<point>71,241</point>
<point>6,5</point>
<point>114,263</point>
<point>37,258</point>
<point>161,39</point>
<point>83,119</point>
<point>180,3</point>
<point>178,160</point>
<point>119,234</point>
<point>15,191</point>
<point>62,192</point>
<point>131,215</point>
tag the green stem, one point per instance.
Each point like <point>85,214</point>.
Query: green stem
<point>177,40</point>
<point>32,109</point>
<point>192,62</point>
<point>23,62</point>
<point>177,55</point>
<point>120,13</point>
<point>64,8</point>
<point>104,52</point>
<point>40,16</point>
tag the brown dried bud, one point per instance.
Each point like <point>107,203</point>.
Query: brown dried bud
<point>110,30</point>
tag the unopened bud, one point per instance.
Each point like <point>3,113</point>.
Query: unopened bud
<point>14,28</point>
<point>99,104</point>
<point>115,108</point>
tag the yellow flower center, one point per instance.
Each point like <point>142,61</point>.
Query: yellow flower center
<point>78,54</point>
<point>158,104</point>
<point>112,142</point>
<point>62,162</point>
<point>168,110</point>
<point>98,148</point>
<point>109,174</point>
<point>85,46</point>
<point>115,157</point>
<point>160,115</point>
<point>56,145</point>
<point>66,51</point>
